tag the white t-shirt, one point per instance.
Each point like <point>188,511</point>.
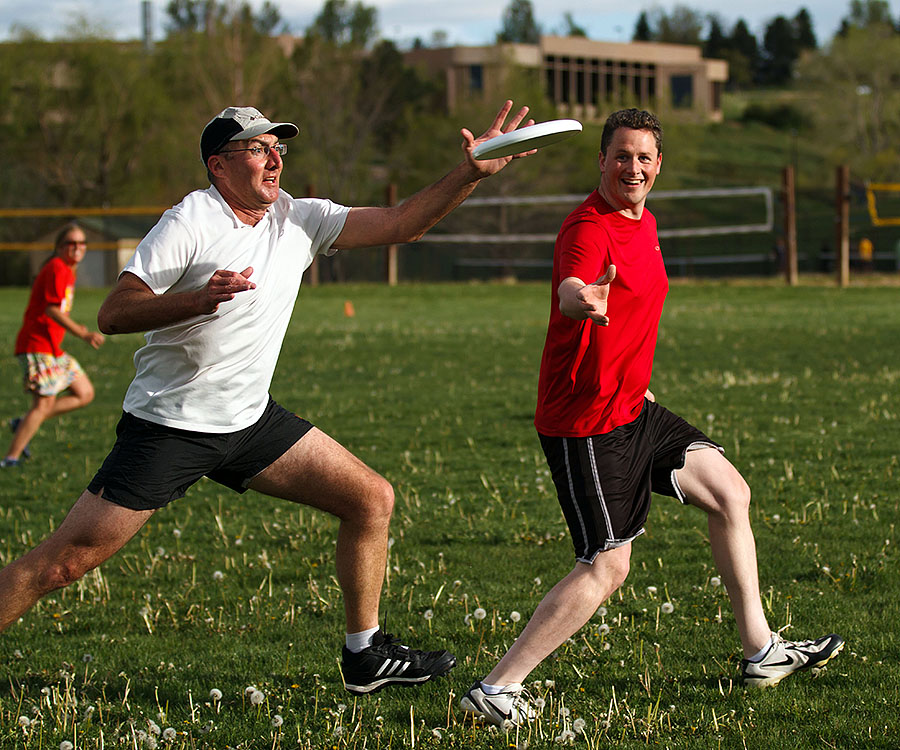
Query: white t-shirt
<point>211,373</point>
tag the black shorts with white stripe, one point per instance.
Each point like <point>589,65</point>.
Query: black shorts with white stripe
<point>604,482</point>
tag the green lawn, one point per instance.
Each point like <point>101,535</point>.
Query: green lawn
<point>434,387</point>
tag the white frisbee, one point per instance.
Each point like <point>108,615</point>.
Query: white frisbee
<point>524,139</point>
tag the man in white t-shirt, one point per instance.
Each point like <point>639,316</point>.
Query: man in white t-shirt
<point>213,286</point>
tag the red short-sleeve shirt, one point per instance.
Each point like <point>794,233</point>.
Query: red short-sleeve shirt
<point>593,378</point>
<point>54,285</point>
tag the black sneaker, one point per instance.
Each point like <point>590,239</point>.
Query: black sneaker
<point>14,425</point>
<point>388,662</point>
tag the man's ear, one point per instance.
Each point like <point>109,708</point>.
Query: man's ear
<point>215,165</point>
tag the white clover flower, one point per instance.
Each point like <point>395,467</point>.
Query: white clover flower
<point>257,697</point>
<point>715,581</point>
<point>277,721</point>
<point>515,616</point>
<point>215,695</point>
<point>578,725</point>
<point>66,745</point>
<point>24,722</point>
<point>479,613</point>
<point>218,575</point>
<point>667,608</point>
<point>429,614</point>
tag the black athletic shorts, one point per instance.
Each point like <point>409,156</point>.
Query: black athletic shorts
<point>604,482</point>
<point>151,465</point>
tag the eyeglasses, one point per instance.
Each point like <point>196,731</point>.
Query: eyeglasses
<point>257,151</point>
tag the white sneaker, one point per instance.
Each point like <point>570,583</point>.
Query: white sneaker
<point>508,707</point>
<point>786,657</point>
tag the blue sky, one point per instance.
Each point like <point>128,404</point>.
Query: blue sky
<point>464,21</point>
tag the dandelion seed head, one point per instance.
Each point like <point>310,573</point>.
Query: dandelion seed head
<point>169,734</point>
<point>153,727</point>
<point>436,733</point>
<point>667,608</point>
<point>715,581</point>
<point>215,695</point>
<point>66,745</point>
<point>602,611</point>
<point>537,581</point>
<point>218,575</point>
<point>549,684</point>
<point>257,697</point>
<point>24,722</point>
<point>429,614</point>
<point>479,613</point>
<point>176,533</point>
<point>539,703</point>
<point>506,725</point>
<point>277,721</point>
<point>651,590</point>
<point>515,616</point>
<point>467,619</point>
<point>603,629</point>
<point>578,725</point>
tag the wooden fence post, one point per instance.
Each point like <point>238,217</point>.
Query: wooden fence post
<point>790,228</point>
<point>391,257</point>
<point>842,225</point>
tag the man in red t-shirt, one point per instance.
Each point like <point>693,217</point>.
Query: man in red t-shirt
<point>54,378</point>
<point>609,444</point>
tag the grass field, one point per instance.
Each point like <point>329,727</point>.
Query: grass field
<point>434,386</point>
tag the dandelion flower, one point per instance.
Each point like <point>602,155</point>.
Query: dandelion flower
<point>66,745</point>
<point>436,733</point>
<point>277,721</point>
<point>429,614</point>
<point>215,695</point>
<point>479,614</point>
<point>603,629</point>
<point>539,703</point>
<point>715,581</point>
<point>257,697</point>
<point>24,722</point>
<point>515,616</point>
<point>651,590</point>
<point>667,608</point>
<point>578,726</point>
<point>169,734</point>
<point>601,611</point>
<point>218,575</point>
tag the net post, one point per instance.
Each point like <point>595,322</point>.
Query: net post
<point>842,224</point>
<point>790,227</point>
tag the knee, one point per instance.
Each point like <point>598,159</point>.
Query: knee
<point>734,500</point>
<point>379,502</point>
<point>86,394</point>
<point>59,575</point>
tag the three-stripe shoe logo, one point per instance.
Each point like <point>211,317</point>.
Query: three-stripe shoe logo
<point>393,668</point>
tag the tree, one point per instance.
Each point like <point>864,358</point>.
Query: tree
<point>865,13</point>
<point>642,30</point>
<point>779,52</point>
<point>341,23</point>
<point>682,26</point>
<point>742,56</point>
<point>519,24</point>
<point>861,71</point>
<point>716,44</point>
<point>571,28</point>
<point>804,34</point>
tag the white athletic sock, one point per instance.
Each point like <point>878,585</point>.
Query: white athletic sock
<point>760,655</point>
<point>492,689</point>
<point>356,642</point>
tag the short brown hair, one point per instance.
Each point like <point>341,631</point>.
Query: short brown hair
<point>636,119</point>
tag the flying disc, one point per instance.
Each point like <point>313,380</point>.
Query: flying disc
<point>524,139</point>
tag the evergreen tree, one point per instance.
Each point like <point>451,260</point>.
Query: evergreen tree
<point>519,24</point>
<point>803,31</point>
<point>571,28</point>
<point>742,56</point>
<point>779,52</point>
<point>715,45</point>
<point>642,31</point>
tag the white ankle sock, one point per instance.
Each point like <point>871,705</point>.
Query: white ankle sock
<point>492,689</point>
<point>758,656</point>
<point>356,642</point>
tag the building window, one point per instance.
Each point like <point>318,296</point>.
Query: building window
<point>476,78</point>
<point>682,88</point>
